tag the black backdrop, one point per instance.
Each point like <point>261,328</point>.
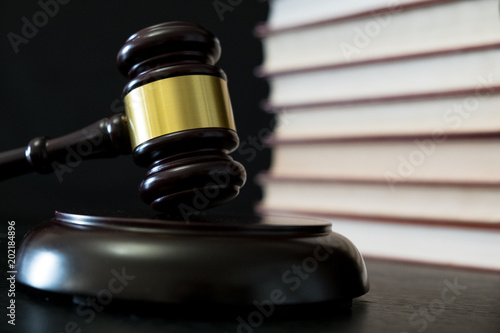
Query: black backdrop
<point>64,77</point>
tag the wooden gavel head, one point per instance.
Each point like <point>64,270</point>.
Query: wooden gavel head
<point>179,117</point>
<point>178,123</point>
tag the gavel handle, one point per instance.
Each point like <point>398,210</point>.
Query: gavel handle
<point>109,137</point>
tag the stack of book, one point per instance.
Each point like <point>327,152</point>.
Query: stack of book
<point>388,124</point>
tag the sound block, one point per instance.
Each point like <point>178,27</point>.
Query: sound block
<point>220,260</point>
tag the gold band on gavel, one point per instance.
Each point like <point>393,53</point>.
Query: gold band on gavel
<point>177,104</point>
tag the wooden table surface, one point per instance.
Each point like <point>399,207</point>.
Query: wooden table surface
<point>403,298</point>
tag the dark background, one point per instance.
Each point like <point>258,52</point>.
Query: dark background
<point>66,78</point>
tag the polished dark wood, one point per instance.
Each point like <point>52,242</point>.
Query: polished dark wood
<point>220,260</point>
<point>106,138</point>
<point>179,259</point>
<point>168,50</point>
<point>188,171</point>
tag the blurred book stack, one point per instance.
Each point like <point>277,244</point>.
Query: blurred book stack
<point>388,124</point>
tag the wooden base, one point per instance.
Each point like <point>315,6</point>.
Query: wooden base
<point>226,261</point>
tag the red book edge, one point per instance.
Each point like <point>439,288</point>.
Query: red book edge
<point>390,220</point>
<point>274,108</point>
<point>264,30</point>
<point>262,73</point>
<point>269,177</point>
<point>272,140</point>
<point>427,222</point>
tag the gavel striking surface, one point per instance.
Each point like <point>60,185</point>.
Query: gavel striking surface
<point>208,260</point>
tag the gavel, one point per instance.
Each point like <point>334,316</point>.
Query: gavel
<point>178,122</point>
